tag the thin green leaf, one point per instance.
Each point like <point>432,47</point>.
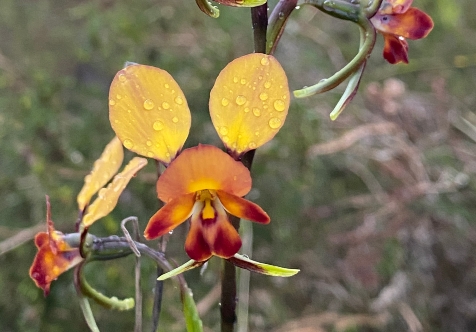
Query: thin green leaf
<point>191,264</point>
<point>88,314</point>
<point>271,270</point>
<point>190,312</point>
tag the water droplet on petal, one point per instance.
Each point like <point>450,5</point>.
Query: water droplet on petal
<point>243,81</point>
<point>225,139</point>
<point>112,102</point>
<point>274,123</point>
<point>225,102</point>
<point>256,111</point>
<point>165,105</point>
<point>240,100</point>
<point>263,96</point>
<point>122,78</point>
<point>252,145</point>
<point>166,86</point>
<point>279,105</point>
<point>235,79</point>
<point>148,104</point>
<point>178,100</point>
<point>150,154</point>
<point>158,125</point>
<point>148,143</point>
<point>267,84</point>
<point>128,143</point>
<point>265,61</point>
<point>224,131</point>
<point>247,109</point>
<point>257,133</point>
<point>118,96</point>
<point>174,119</point>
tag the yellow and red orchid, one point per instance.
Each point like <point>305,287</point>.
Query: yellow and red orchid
<point>396,20</point>
<point>204,182</point>
<point>54,256</point>
<point>248,105</point>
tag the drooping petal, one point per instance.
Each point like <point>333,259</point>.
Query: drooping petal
<point>242,208</point>
<point>196,246</point>
<point>249,102</point>
<point>253,266</point>
<point>241,3</point>
<point>108,197</point>
<point>170,216</point>
<point>395,49</point>
<point>203,167</point>
<point>220,234</point>
<point>149,112</point>
<point>412,24</point>
<point>103,170</point>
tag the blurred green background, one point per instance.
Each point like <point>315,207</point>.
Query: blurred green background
<point>377,209</point>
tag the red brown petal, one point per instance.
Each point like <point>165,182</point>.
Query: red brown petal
<point>196,246</point>
<point>395,49</point>
<point>243,208</point>
<point>170,216</point>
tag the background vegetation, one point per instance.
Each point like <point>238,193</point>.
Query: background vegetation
<point>377,209</point>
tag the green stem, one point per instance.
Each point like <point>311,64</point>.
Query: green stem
<point>277,21</point>
<point>336,79</point>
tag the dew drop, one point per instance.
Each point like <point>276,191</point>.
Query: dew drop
<point>260,77</point>
<point>166,86</point>
<point>158,125</point>
<point>148,143</point>
<point>274,123</point>
<point>225,139</point>
<point>167,155</point>
<point>224,131</point>
<point>240,100</point>
<point>252,145</point>
<point>122,78</point>
<point>165,105</point>
<point>171,232</point>
<point>267,84</point>
<point>257,133</point>
<point>128,143</point>
<point>247,109</point>
<point>243,81</point>
<point>279,105</point>
<point>150,154</point>
<point>112,102</point>
<point>118,96</point>
<point>178,100</point>
<point>256,111</point>
<point>148,104</point>
<point>174,119</point>
<point>116,121</point>
<point>265,61</point>
<point>225,102</point>
<point>235,79</point>
<point>263,96</point>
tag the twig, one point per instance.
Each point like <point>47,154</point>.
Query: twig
<point>21,237</point>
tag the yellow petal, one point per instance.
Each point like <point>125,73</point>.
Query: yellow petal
<point>149,112</point>
<point>249,102</point>
<point>107,197</point>
<point>103,170</point>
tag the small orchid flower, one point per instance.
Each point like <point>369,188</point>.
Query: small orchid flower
<point>248,106</point>
<point>396,20</point>
<point>55,254</point>
<point>204,182</point>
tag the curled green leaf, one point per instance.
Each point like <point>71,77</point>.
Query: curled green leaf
<point>253,266</point>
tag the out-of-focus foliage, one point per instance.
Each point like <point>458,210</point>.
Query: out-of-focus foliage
<point>376,209</point>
